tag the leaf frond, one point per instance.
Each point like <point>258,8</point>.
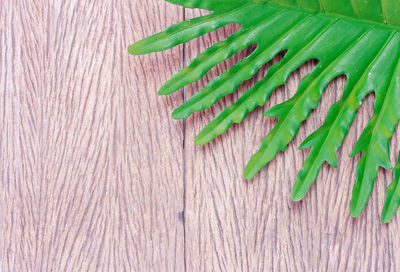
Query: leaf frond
<point>392,196</point>
<point>359,39</point>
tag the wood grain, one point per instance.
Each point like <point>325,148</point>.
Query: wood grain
<point>91,163</point>
<point>235,225</point>
<point>96,176</point>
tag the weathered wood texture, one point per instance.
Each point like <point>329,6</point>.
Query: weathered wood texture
<point>91,162</point>
<point>95,173</point>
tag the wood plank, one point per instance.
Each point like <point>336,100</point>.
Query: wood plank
<point>236,225</point>
<point>91,162</point>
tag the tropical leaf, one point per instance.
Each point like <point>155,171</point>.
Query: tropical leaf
<point>392,197</point>
<point>359,39</point>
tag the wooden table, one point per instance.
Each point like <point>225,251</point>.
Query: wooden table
<point>96,175</point>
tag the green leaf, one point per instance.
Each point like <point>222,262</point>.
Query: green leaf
<point>359,39</point>
<point>374,142</point>
<point>392,196</point>
<point>326,140</point>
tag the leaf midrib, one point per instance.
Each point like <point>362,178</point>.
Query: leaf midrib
<point>337,15</point>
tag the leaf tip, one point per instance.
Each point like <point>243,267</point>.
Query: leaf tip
<point>355,210</point>
<point>164,90</point>
<point>178,114</point>
<point>354,152</point>
<point>297,195</point>
<point>249,172</point>
<point>200,141</point>
<point>386,218</point>
<point>136,49</point>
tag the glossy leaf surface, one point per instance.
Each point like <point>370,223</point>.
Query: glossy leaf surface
<point>392,196</point>
<point>359,39</point>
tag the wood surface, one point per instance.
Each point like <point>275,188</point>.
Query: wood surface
<point>96,176</point>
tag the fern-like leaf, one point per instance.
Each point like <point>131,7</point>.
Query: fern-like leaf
<point>359,39</point>
<point>326,140</point>
<point>392,196</point>
<point>374,142</point>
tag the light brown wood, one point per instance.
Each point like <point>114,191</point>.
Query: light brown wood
<point>91,162</point>
<point>236,225</point>
<point>96,176</point>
